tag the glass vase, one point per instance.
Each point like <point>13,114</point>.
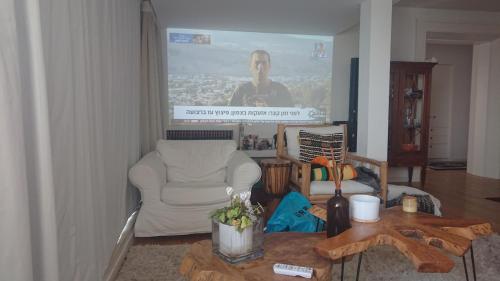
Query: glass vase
<point>337,214</point>
<point>234,246</point>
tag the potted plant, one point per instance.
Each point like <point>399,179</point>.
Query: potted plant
<point>237,229</point>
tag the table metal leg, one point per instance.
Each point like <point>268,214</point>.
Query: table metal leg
<point>342,270</point>
<point>465,268</point>
<point>473,263</point>
<point>359,265</point>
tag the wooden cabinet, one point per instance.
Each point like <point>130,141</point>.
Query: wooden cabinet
<point>409,106</point>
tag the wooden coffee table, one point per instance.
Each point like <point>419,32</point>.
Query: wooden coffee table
<point>290,248</point>
<point>416,235</point>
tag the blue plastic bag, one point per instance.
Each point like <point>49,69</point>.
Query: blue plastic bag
<point>292,215</point>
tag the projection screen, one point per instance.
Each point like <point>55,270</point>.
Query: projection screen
<point>232,77</point>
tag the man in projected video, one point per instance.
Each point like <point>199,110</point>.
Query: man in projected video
<point>261,91</point>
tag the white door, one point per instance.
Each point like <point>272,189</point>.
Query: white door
<point>439,129</point>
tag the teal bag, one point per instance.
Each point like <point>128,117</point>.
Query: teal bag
<point>292,215</point>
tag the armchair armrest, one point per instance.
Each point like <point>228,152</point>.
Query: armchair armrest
<point>242,171</point>
<point>301,173</point>
<point>378,166</point>
<point>149,175</point>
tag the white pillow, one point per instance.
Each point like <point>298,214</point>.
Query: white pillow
<point>196,160</point>
<point>292,136</point>
<point>348,186</point>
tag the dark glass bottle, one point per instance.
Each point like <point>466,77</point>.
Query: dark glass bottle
<point>337,214</point>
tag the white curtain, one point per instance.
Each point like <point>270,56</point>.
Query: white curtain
<point>151,79</point>
<point>69,120</point>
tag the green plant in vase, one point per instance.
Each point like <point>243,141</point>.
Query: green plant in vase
<point>240,213</point>
<point>235,231</point>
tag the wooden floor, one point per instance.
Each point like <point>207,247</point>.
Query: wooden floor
<point>461,195</point>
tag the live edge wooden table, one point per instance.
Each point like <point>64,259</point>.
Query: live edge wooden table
<point>199,264</point>
<point>416,235</point>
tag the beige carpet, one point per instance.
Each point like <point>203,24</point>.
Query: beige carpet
<point>160,263</point>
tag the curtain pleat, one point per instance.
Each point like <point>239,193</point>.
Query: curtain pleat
<point>151,80</point>
<point>27,209</point>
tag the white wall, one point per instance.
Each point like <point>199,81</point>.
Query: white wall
<point>345,47</point>
<point>373,89</point>
<point>460,57</point>
<point>478,102</point>
<point>492,158</point>
<point>404,24</point>
<point>410,25</point>
<point>484,139</point>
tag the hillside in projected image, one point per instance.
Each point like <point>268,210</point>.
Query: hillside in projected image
<point>205,67</point>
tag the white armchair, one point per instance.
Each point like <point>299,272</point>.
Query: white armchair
<point>183,181</point>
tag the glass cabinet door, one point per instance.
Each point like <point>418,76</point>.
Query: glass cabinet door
<point>412,106</point>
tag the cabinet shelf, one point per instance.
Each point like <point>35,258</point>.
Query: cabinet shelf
<point>413,94</point>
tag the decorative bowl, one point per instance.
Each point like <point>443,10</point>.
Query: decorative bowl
<point>364,208</point>
<point>408,147</point>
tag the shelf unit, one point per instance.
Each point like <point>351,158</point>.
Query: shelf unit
<point>409,105</point>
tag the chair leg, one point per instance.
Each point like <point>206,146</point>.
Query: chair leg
<point>359,265</point>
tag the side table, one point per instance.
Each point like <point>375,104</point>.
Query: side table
<point>402,230</point>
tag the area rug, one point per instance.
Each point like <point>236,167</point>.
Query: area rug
<point>448,165</point>
<point>161,263</point>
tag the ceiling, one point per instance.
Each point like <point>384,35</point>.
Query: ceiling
<point>318,17</point>
<point>470,5</point>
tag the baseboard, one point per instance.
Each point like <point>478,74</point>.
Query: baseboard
<point>121,248</point>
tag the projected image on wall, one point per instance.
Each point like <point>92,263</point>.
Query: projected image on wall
<point>226,76</point>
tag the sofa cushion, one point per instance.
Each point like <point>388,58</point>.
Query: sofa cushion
<point>196,160</point>
<point>292,136</point>
<point>348,186</point>
<point>194,193</point>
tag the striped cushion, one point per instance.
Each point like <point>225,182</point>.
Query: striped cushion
<point>313,145</point>
<point>321,170</point>
<point>319,173</point>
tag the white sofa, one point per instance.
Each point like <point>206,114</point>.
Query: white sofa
<point>183,181</point>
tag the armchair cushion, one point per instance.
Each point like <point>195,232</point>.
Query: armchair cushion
<point>314,145</point>
<point>196,160</point>
<point>348,186</point>
<point>292,136</point>
<point>194,193</point>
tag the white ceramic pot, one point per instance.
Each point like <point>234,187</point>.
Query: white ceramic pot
<point>364,208</point>
<point>234,243</point>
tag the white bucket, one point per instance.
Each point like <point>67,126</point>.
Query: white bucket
<point>364,208</point>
